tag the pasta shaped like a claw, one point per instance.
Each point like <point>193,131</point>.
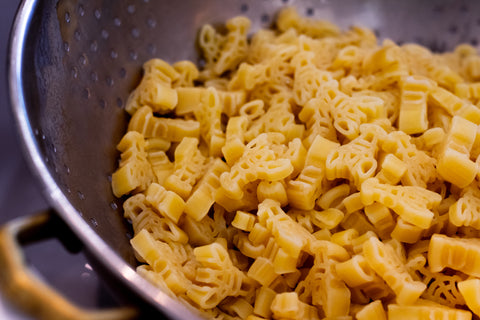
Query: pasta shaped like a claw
<point>386,263</point>
<point>135,172</point>
<point>409,202</point>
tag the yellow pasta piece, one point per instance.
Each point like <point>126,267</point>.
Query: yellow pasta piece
<point>355,271</point>
<point>259,234</point>
<point>470,292</point>
<point>409,202</point>
<point>249,248</point>
<point>289,18</point>
<point>391,170</point>
<point>373,310</point>
<point>216,278</point>
<point>238,307</point>
<point>203,196</point>
<point>326,219</point>
<point>470,112</point>
<point>469,91</point>
<point>292,278</point>
<point>278,118</point>
<point>252,110</point>
<point>168,203</point>
<point>358,221</point>
<point>209,117</point>
<point>155,278</point>
<point>344,238</point>
<point>287,306</point>
<point>188,168</point>
<point>442,288</point>
<point>274,190</point>
<point>459,254</point>
<point>357,243</point>
<point>289,235</point>
<point>231,101</point>
<point>406,232</point>
<point>135,172</point>
<point>464,212</point>
<point>246,77</point>
<point>308,79</point>
<point>189,99</point>
<point>263,271</point>
<point>355,160</point>
<point>257,162</point>
<point>161,165</point>
<point>412,117</point>
<point>305,189</point>
<point>157,144</point>
<point>349,57</point>
<point>235,48</point>
<point>331,250</point>
<point>316,116</point>
<point>350,112</point>
<point>386,64</point>
<point>162,260</point>
<point>243,221</point>
<point>353,202</point>
<point>143,217</point>
<point>388,265</point>
<point>381,218</point>
<point>334,196</point>
<point>157,95</point>
<point>235,140</point>
<point>445,99</point>
<point>420,166</point>
<point>302,217</point>
<point>457,168</point>
<point>187,73</point>
<point>418,312</point>
<point>263,301</point>
<point>297,155</point>
<point>155,88</point>
<point>430,138</point>
<point>161,70</point>
<point>472,66</point>
<point>247,202</point>
<point>331,292</point>
<point>456,153</point>
<point>201,232</point>
<point>283,262</point>
<point>146,123</point>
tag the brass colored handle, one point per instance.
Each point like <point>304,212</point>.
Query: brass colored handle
<point>30,293</point>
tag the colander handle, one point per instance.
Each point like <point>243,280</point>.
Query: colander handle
<point>25,289</point>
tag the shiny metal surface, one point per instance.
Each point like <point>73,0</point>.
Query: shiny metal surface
<point>73,63</point>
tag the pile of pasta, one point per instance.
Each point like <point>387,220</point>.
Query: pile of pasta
<point>305,172</point>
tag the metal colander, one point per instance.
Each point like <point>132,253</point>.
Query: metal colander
<point>74,62</point>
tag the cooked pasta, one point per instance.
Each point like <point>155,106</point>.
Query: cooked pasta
<point>307,173</point>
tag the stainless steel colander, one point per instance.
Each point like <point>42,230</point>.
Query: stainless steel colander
<point>73,63</point>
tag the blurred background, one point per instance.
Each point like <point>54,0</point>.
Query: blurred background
<point>20,195</point>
